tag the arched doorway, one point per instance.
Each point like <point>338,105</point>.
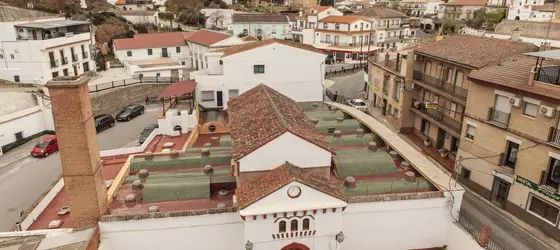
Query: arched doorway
<point>517,18</point>
<point>428,26</point>
<point>295,246</point>
<point>421,26</point>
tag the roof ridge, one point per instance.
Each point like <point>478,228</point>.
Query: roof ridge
<point>276,111</point>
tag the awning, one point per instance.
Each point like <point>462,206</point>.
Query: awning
<point>178,89</point>
<point>548,54</point>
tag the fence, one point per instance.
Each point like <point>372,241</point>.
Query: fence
<point>132,81</point>
<point>335,97</point>
<point>475,229</point>
<point>332,72</point>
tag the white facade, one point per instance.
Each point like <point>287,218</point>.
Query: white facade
<point>287,147</point>
<point>179,53</point>
<point>294,72</point>
<point>420,8</point>
<point>522,10</point>
<point>25,58</point>
<point>172,118</point>
<point>147,17</point>
<point>198,51</point>
<point>265,30</point>
<point>217,18</point>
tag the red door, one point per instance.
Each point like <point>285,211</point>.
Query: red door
<point>295,246</point>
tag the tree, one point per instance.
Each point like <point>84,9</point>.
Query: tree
<point>327,2</point>
<point>449,26</point>
<point>189,16</point>
<point>216,20</point>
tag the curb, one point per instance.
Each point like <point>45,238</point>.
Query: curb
<point>12,162</point>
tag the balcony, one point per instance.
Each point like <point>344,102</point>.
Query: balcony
<point>394,38</point>
<point>85,55</point>
<point>74,57</point>
<point>452,89</point>
<point>438,115</point>
<point>554,136</point>
<point>550,180</point>
<point>550,75</point>
<point>55,64</point>
<point>498,117</point>
<point>331,42</point>
<point>64,60</point>
<point>51,30</point>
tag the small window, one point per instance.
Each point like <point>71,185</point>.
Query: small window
<point>325,26</point>
<point>207,96</point>
<point>282,227</point>
<point>530,109</point>
<point>19,135</point>
<point>471,131</point>
<point>305,224</point>
<point>1,56</point>
<point>129,53</point>
<point>55,74</point>
<point>183,63</point>
<point>150,52</point>
<point>178,49</point>
<point>294,225</point>
<point>65,72</point>
<point>12,56</point>
<point>543,209</point>
<point>337,26</point>
<point>425,127</point>
<point>158,74</point>
<point>16,78</point>
<point>141,75</point>
<point>233,93</point>
<point>258,69</point>
<point>466,174</point>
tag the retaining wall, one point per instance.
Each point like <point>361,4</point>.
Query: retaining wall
<point>111,101</point>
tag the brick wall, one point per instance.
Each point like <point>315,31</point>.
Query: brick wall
<point>111,101</point>
<point>530,29</point>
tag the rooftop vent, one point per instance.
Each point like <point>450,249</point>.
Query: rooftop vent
<point>339,119</point>
<point>372,146</point>
<point>223,193</point>
<point>149,155</point>
<point>64,210</point>
<point>143,175</point>
<point>394,155</point>
<point>130,200</point>
<point>55,224</point>
<point>410,176</point>
<point>205,152</point>
<point>315,105</point>
<point>350,183</point>
<point>207,145</point>
<point>360,132</point>
<point>208,169</point>
<point>137,185</point>
<point>173,153</point>
<point>337,134</point>
<point>314,120</point>
<point>405,165</point>
<point>221,205</point>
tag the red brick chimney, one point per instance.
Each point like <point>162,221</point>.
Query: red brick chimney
<point>81,164</point>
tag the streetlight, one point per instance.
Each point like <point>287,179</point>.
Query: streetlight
<point>340,237</point>
<point>249,245</point>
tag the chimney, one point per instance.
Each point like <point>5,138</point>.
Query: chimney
<point>532,76</point>
<point>300,12</point>
<point>350,183</point>
<point>79,152</point>
<point>515,34</point>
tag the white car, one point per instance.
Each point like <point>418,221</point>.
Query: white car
<point>358,104</point>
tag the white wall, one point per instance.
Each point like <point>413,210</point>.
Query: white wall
<point>269,30</point>
<point>29,121</point>
<point>286,147</point>
<point>208,232</point>
<point>142,54</point>
<point>459,239</point>
<point>143,19</point>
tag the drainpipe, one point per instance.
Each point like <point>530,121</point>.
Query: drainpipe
<point>322,76</point>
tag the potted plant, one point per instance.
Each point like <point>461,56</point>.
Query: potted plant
<point>427,142</point>
<point>443,152</point>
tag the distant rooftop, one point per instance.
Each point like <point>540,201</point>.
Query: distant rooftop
<point>380,12</point>
<point>467,3</point>
<point>10,13</point>
<point>52,24</point>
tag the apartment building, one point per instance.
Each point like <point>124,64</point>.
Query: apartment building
<point>510,139</point>
<point>392,27</point>
<point>385,85</point>
<point>461,9</point>
<point>419,8</point>
<point>303,30</point>
<point>261,26</point>
<point>36,47</point>
<point>440,87</point>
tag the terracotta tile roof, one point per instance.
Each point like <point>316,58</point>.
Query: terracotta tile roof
<point>207,37</point>
<point>120,2</point>
<point>279,177</point>
<point>380,12</point>
<point>261,114</point>
<point>259,18</point>
<point>340,19</point>
<point>249,46</point>
<point>514,73</point>
<point>151,40</point>
<point>178,89</point>
<point>467,3</point>
<point>474,51</point>
<point>318,8</point>
<point>187,34</point>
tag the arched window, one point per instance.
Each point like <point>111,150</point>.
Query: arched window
<point>337,26</point>
<point>282,227</point>
<point>294,225</point>
<point>305,224</point>
<point>325,26</point>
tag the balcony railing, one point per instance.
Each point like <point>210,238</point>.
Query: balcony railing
<point>164,55</point>
<point>455,90</point>
<point>74,57</point>
<point>64,60</point>
<point>439,114</point>
<point>54,64</point>
<point>357,43</point>
<point>394,38</point>
<point>499,117</point>
<point>554,136</point>
<point>549,75</point>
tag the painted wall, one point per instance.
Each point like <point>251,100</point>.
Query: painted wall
<point>184,54</point>
<point>286,147</point>
<point>459,239</point>
<point>143,19</point>
<point>29,121</point>
<point>211,232</point>
<point>269,30</point>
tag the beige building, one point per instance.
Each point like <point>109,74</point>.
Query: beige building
<point>510,143</point>
<point>461,9</point>
<point>439,87</point>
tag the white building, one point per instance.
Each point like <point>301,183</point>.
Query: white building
<point>419,8</point>
<point>140,16</point>
<point>296,70</point>
<point>217,18</point>
<point>203,40</point>
<point>36,47</point>
<point>261,26</point>
<point>533,11</point>
<point>158,5</point>
<point>392,27</point>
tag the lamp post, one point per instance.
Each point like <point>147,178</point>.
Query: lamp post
<point>249,245</point>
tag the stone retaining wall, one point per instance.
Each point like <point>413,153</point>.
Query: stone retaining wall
<point>111,101</point>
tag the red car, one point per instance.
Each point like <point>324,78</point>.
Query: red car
<point>47,146</point>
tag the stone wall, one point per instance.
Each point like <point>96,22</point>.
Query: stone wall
<point>111,101</point>
<point>529,29</point>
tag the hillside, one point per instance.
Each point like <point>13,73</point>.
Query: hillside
<point>69,7</point>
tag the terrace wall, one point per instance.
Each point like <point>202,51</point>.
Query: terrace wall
<point>111,101</point>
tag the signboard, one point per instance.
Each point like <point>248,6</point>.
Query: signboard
<point>550,193</point>
<point>431,105</point>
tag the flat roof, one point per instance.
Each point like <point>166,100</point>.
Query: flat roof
<point>52,24</point>
<point>549,54</point>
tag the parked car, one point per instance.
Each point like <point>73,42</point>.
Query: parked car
<point>48,145</point>
<point>103,122</point>
<point>146,132</point>
<point>358,104</point>
<point>130,112</point>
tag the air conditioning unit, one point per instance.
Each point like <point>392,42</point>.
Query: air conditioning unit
<point>514,101</point>
<point>546,111</point>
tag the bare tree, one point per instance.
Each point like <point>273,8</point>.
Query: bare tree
<point>216,19</point>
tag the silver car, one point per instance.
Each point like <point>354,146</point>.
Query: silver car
<point>358,104</point>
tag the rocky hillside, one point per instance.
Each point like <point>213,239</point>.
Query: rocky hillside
<point>69,7</point>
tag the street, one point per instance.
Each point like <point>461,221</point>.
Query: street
<point>349,85</point>
<point>25,180</point>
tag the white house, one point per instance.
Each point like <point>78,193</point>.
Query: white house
<point>261,26</point>
<point>133,5</point>
<point>140,16</point>
<point>419,8</point>
<point>155,54</point>
<point>296,70</point>
<point>392,27</point>
<point>35,47</point>
<point>203,40</point>
<point>217,18</point>
<point>532,11</point>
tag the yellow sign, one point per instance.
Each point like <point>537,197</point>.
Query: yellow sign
<point>431,105</point>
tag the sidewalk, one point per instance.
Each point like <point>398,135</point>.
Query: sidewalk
<point>19,153</point>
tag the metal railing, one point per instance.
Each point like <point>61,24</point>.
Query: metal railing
<point>345,70</point>
<point>502,118</point>
<point>393,38</point>
<point>455,90</point>
<point>132,81</point>
<point>475,229</point>
<point>439,114</point>
<point>357,43</point>
<point>542,76</point>
<point>554,136</point>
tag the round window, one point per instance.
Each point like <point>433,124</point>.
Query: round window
<point>212,128</point>
<point>294,192</point>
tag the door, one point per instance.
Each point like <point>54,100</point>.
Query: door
<point>511,154</point>
<point>163,52</point>
<point>500,190</point>
<point>175,74</point>
<point>440,138</point>
<point>34,34</point>
<point>384,107</point>
<point>219,98</point>
<point>75,70</point>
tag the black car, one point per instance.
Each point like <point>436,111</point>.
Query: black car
<point>146,132</point>
<point>103,122</point>
<point>130,112</point>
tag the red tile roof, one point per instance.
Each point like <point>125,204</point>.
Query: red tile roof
<point>120,2</point>
<point>249,38</point>
<point>279,177</point>
<point>340,19</point>
<point>178,88</point>
<point>318,8</point>
<point>261,114</point>
<point>256,44</point>
<point>207,37</point>
<point>150,40</point>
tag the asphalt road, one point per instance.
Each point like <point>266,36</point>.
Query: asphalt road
<point>24,181</point>
<point>349,85</point>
